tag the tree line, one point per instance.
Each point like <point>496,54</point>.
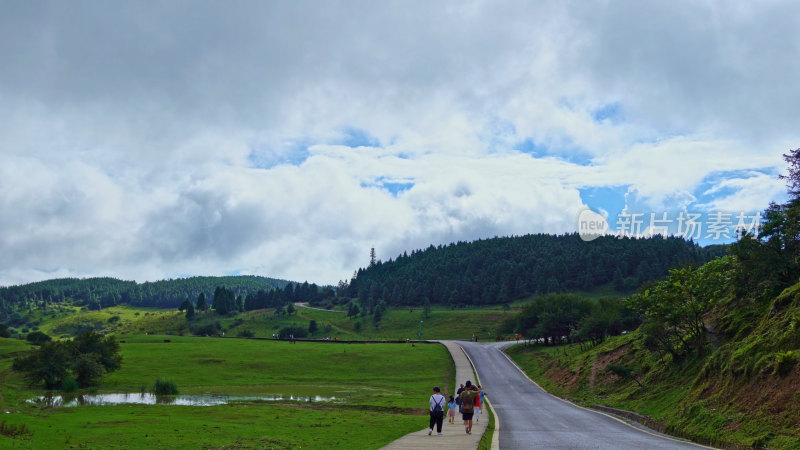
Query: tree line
<point>225,301</point>
<point>504,269</point>
<point>97,293</point>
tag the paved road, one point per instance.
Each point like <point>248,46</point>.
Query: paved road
<point>305,305</point>
<point>532,418</point>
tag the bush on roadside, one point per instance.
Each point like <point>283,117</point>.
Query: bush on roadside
<point>246,334</point>
<point>206,328</point>
<point>294,330</point>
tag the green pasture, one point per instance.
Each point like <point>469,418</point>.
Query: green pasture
<point>405,323</point>
<point>381,394</point>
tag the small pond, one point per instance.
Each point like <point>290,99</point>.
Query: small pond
<point>66,400</point>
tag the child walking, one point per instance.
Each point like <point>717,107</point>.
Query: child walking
<point>478,404</point>
<point>451,410</point>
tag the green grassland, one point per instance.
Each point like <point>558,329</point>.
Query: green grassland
<point>396,324</point>
<point>74,319</point>
<point>381,389</point>
<point>405,323</point>
<point>381,392</point>
<point>741,392</point>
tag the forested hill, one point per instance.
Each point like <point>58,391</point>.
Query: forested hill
<point>104,292</point>
<point>503,269</point>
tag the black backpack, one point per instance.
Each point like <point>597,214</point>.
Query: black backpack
<point>437,407</point>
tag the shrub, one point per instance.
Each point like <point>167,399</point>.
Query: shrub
<point>246,334</point>
<point>113,319</point>
<point>357,326</point>
<point>619,370</point>
<point>297,332</point>
<point>785,362</point>
<point>165,387</point>
<point>4,331</point>
<point>15,431</point>
<point>37,338</point>
<point>69,384</point>
<point>206,329</point>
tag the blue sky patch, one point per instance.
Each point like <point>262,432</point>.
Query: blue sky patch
<point>355,137</point>
<point>538,150</point>
<point>606,198</point>
<point>393,186</point>
<point>611,112</point>
<point>292,153</point>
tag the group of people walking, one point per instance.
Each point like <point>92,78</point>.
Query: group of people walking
<point>468,400</point>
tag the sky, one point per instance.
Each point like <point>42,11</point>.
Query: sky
<point>163,139</point>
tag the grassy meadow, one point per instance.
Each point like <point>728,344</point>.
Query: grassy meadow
<point>405,323</point>
<point>381,393</point>
<point>397,324</point>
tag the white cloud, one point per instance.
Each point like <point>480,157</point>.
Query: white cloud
<point>176,138</point>
<point>746,194</point>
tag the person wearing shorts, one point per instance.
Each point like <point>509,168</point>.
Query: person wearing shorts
<point>468,405</point>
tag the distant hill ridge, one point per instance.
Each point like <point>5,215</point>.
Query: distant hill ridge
<point>106,291</point>
<point>502,269</point>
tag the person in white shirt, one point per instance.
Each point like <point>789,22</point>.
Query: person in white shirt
<point>437,403</point>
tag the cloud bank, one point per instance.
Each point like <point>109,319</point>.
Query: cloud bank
<point>166,139</point>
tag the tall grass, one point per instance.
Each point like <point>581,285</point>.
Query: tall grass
<point>165,387</point>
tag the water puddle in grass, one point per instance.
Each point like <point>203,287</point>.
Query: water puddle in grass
<point>57,401</point>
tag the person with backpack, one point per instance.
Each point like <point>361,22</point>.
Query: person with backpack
<point>437,402</point>
<point>468,405</point>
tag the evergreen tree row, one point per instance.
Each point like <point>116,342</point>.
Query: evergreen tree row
<point>503,269</point>
<point>99,293</point>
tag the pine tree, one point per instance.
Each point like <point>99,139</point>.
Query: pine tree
<point>201,302</point>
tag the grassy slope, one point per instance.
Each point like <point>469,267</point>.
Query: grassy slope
<point>396,324</point>
<point>392,382</point>
<point>404,323</point>
<point>737,393</point>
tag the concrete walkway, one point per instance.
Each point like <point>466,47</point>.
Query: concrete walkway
<point>454,435</point>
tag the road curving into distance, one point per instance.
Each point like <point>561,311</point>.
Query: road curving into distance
<point>532,418</point>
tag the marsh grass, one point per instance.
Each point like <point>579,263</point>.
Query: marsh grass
<point>165,387</point>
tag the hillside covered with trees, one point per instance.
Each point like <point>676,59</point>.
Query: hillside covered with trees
<point>503,269</point>
<point>99,293</point>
